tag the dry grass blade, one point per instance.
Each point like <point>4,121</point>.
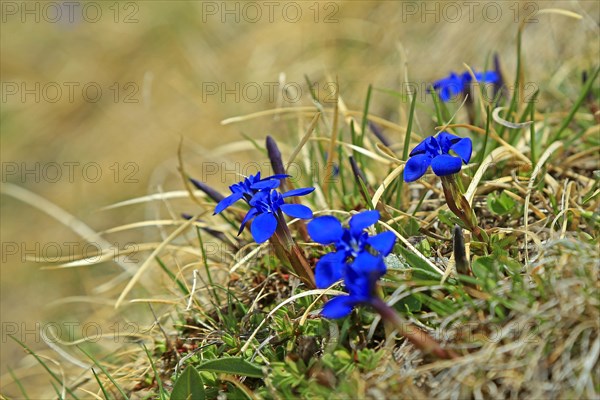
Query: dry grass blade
<point>508,124</point>
<point>331,153</point>
<point>176,194</point>
<point>282,304</point>
<point>54,211</point>
<point>266,113</point>
<point>150,260</point>
<point>309,131</point>
<point>358,149</point>
<point>536,170</point>
<point>386,182</point>
<point>496,155</point>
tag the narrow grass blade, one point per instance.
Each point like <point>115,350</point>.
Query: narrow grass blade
<point>18,383</point>
<point>105,372</point>
<point>104,392</point>
<point>487,134</point>
<point>365,117</point>
<point>161,390</point>
<point>578,103</point>
<point>205,262</point>
<point>43,364</point>
<point>172,276</point>
<point>405,151</point>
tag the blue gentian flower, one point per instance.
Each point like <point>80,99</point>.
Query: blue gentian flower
<point>351,244</point>
<point>438,152</point>
<point>247,188</point>
<point>449,87</point>
<point>265,203</point>
<point>265,207</point>
<point>455,84</point>
<point>361,281</point>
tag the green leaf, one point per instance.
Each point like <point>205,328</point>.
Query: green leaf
<point>189,386</point>
<point>500,204</point>
<point>448,218</point>
<point>420,268</point>
<point>233,365</point>
<point>412,227</point>
<point>485,268</point>
<point>410,304</point>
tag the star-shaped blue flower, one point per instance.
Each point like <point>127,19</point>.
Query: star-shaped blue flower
<point>449,87</point>
<point>265,207</point>
<point>360,281</point>
<point>247,188</point>
<point>455,84</point>
<point>351,244</point>
<point>445,154</point>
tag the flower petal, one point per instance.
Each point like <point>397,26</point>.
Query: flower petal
<point>297,211</point>
<point>464,149</point>
<point>227,201</point>
<point>298,192</point>
<point>446,140</point>
<point>263,227</point>
<point>362,220</point>
<point>445,164</point>
<point>383,242</point>
<point>325,230</point>
<point>367,264</point>
<point>427,146</point>
<point>416,167</point>
<point>266,184</point>
<point>445,136</point>
<point>277,176</point>
<point>449,87</point>
<point>249,215</point>
<point>487,77</point>
<point>338,307</point>
<point>329,269</point>
<point>258,197</point>
<point>359,283</point>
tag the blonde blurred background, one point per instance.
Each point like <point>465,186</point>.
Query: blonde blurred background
<point>96,97</point>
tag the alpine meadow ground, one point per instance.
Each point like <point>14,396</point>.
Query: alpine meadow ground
<point>396,207</point>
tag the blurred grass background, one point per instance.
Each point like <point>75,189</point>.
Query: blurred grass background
<point>154,62</point>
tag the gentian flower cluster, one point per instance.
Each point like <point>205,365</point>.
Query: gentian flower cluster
<point>266,204</point>
<point>358,259</point>
<point>455,84</point>
<point>438,152</point>
<point>247,188</point>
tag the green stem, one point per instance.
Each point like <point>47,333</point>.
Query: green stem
<point>293,253</point>
<point>459,205</point>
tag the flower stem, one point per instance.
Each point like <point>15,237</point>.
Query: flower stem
<point>459,205</point>
<point>294,253</point>
<point>413,334</point>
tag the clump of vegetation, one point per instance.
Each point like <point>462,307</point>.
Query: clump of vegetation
<point>478,280</point>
